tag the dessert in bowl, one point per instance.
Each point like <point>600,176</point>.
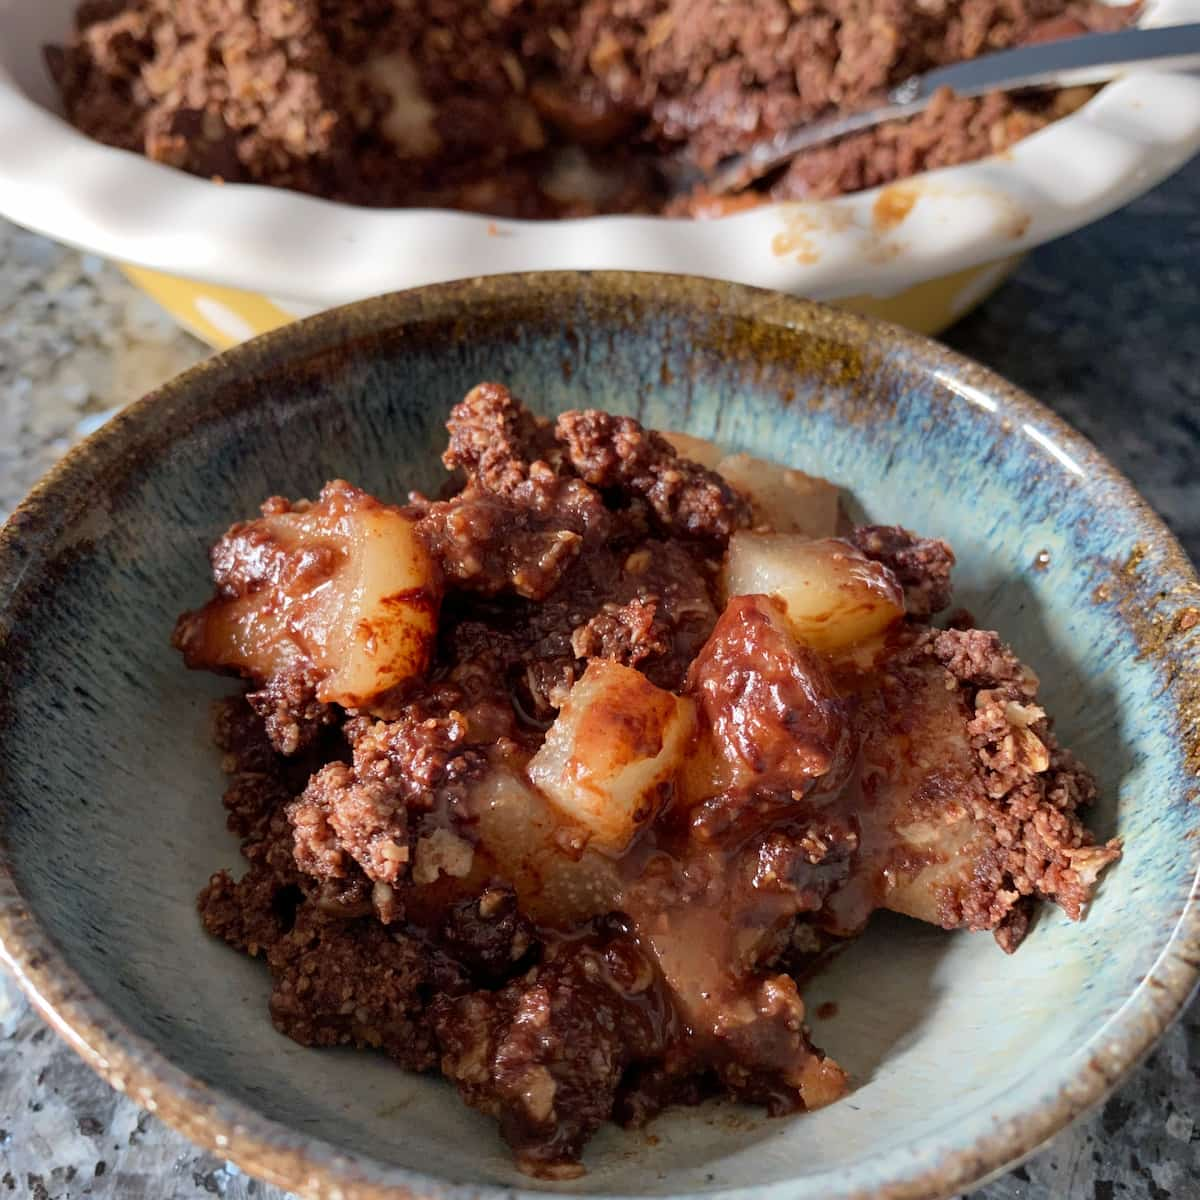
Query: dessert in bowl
<point>957,1058</point>
<point>565,783</point>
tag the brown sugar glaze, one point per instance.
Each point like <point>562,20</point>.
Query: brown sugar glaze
<point>556,784</point>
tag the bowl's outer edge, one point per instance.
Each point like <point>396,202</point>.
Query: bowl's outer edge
<point>316,1169</point>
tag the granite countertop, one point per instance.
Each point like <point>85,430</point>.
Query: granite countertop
<point>1103,326</point>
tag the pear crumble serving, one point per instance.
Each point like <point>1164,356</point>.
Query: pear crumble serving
<point>556,785</point>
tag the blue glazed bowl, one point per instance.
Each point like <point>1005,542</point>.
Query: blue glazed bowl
<point>963,1060</point>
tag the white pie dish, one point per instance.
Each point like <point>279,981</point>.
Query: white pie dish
<point>234,260</point>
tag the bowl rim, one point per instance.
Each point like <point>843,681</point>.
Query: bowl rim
<point>312,1167</point>
<point>116,203</point>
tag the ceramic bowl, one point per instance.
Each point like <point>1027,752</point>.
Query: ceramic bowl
<point>963,1060</point>
<point>232,261</point>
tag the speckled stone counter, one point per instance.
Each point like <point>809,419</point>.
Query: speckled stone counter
<point>1103,326</point>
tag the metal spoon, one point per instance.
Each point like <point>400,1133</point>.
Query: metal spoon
<point>1092,58</point>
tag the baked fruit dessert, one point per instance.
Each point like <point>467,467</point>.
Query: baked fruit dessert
<point>560,784</point>
<point>543,108</point>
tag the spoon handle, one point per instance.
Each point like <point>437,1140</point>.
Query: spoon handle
<point>1066,62</point>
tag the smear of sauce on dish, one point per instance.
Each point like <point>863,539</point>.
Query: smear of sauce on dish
<point>893,205</point>
<point>795,244</point>
<point>804,225</point>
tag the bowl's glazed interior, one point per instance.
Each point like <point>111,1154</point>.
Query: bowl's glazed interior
<point>961,1057</point>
